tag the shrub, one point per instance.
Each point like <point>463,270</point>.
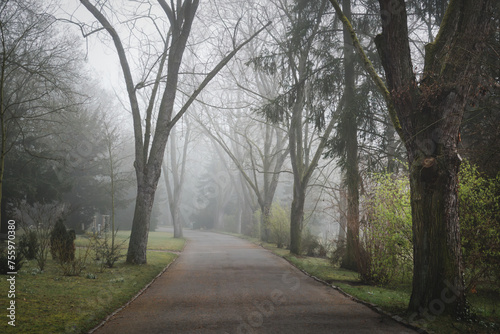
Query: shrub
<point>337,253</point>
<point>107,251</point>
<point>28,245</point>
<point>386,251</point>
<point>279,221</point>
<point>39,218</point>
<point>311,245</point>
<point>479,205</point>
<point>76,266</point>
<point>62,243</point>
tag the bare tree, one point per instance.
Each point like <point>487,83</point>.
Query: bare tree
<point>178,172</point>
<point>37,72</point>
<point>299,104</point>
<point>258,150</point>
<point>118,178</point>
<point>149,151</point>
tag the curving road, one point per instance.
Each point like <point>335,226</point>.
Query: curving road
<point>223,284</point>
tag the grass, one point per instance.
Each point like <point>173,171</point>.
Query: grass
<point>394,299</point>
<point>51,303</point>
<point>156,241</point>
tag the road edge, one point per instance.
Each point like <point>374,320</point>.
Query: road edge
<point>109,316</point>
<point>372,306</point>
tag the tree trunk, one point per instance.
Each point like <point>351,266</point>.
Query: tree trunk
<point>392,144</point>
<point>178,233</point>
<point>238,222</point>
<point>140,228</point>
<point>297,218</point>
<point>343,216</point>
<point>174,195</point>
<point>438,271</point>
<point>349,261</point>
<point>175,210</point>
<point>265,232</point>
<point>434,162</point>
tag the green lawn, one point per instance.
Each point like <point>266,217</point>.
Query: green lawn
<point>51,303</point>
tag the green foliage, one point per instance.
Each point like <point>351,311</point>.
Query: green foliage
<point>62,243</point>
<point>279,223</point>
<point>479,200</point>
<point>386,252</point>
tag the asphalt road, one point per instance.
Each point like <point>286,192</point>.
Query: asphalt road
<point>222,284</point>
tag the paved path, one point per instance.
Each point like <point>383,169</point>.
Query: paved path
<point>222,284</point>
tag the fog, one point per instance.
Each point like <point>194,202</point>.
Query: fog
<point>267,131</point>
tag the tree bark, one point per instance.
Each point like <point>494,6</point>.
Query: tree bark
<point>430,113</point>
<point>349,261</point>
<point>342,205</point>
<point>138,236</point>
<point>297,218</point>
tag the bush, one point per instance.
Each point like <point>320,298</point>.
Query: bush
<point>337,253</point>
<point>62,243</point>
<point>107,251</point>
<point>311,245</point>
<point>279,221</point>
<point>386,251</point>
<point>479,201</point>
<point>28,245</point>
<point>39,218</point>
<point>76,266</point>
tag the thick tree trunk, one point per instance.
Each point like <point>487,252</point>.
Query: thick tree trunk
<point>140,225</point>
<point>434,163</point>
<point>427,117</point>
<point>265,229</point>
<point>438,284</point>
<point>430,113</point>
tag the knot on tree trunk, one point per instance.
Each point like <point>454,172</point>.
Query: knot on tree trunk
<point>428,162</point>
